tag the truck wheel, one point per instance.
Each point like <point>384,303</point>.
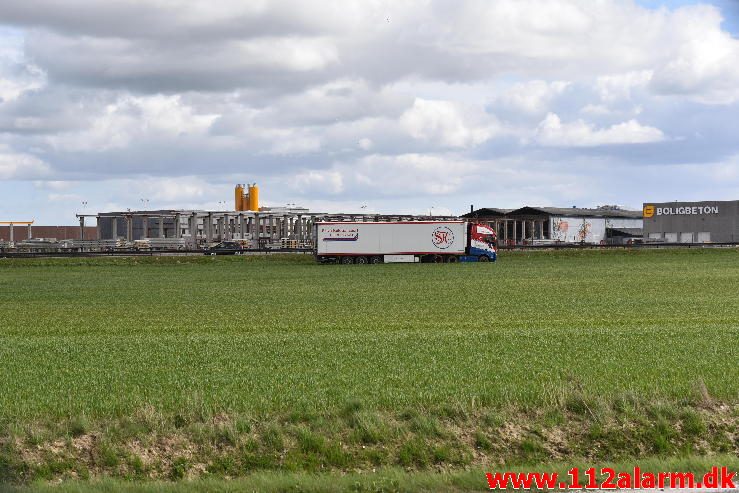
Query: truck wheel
<point>483,258</point>
<point>376,260</point>
<point>452,259</point>
<point>347,260</point>
<point>438,259</point>
<point>360,260</point>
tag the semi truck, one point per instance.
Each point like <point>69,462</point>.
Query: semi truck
<point>404,241</point>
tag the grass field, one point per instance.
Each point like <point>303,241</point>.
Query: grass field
<point>337,363</point>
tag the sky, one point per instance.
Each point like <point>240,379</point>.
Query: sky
<point>365,105</point>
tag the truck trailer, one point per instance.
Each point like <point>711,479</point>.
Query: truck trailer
<point>404,241</point>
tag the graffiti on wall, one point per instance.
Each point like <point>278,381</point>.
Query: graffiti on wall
<point>559,229</point>
<point>583,230</point>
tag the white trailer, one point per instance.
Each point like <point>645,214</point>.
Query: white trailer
<point>403,241</point>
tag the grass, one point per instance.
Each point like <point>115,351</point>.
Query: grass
<point>389,480</point>
<point>274,356</point>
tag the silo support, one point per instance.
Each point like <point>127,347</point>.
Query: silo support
<point>256,231</point>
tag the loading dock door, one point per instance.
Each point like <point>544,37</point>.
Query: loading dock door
<point>704,237</point>
<point>671,237</point>
<point>686,237</point>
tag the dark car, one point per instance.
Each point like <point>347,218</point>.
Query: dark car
<point>225,248</point>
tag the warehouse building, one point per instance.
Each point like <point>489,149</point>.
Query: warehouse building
<point>542,225</point>
<point>692,222</point>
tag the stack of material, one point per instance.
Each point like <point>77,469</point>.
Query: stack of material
<point>166,243</point>
<point>288,243</point>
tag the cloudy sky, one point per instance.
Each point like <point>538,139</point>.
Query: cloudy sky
<point>397,106</point>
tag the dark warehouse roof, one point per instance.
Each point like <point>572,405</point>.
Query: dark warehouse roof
<point>626,232</point>
<point>487,212</point>
<point>555,211</point>
<point>576,211</point>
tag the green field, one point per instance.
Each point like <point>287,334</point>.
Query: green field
<point>344,366</point>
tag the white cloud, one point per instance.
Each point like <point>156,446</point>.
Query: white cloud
<point>613,88</point>
<point>19,166</point>
<point>447,123</point>
<point>287,143</point>
<point>56,185</point>
<point>64,197</point>
<point>17,76</point>
<point>704,63</point>
<point>365,143</point>
<point>533,96</point>
<point>394,176</point>
<point>552,132</point>
<point>320,181</point>
<point>130,117</point>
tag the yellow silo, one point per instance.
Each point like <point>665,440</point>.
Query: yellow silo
<point>239,198</point>
<point>253,202</point>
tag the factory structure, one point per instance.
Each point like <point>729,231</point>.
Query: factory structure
<point>255,226</point>
<point>292,227</point>
<point>530,225</point>
<point>183,228</point>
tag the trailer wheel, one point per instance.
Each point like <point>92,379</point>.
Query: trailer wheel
<point>438,259</point>
<point>360,260</point>
<point>483,258</point>
<point>347,260</point>
<point>452,259</point>
<point>376,260</point>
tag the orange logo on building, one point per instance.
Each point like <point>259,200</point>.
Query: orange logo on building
<point>648,211</point>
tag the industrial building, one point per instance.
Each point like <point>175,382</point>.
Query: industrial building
<point>542,225</point>
<point>259,227</point>
<point>197,227</point>
<point>182,228</point>
<point>692,222</point>
<point>26,230</point>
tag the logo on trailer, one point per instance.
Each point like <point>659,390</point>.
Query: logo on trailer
<point>442,237</point>
<point>340,234</point>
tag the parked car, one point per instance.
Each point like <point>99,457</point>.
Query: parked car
<point>226,248</point>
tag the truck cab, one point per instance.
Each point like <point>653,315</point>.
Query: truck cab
<point>483,243</point>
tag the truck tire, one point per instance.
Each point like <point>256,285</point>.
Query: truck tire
<point>360,260</point>
<point>452,259</point>
<point>376,260</point>
<point>438,259</point>
<point>483,258</point>
<point>347,260</point>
